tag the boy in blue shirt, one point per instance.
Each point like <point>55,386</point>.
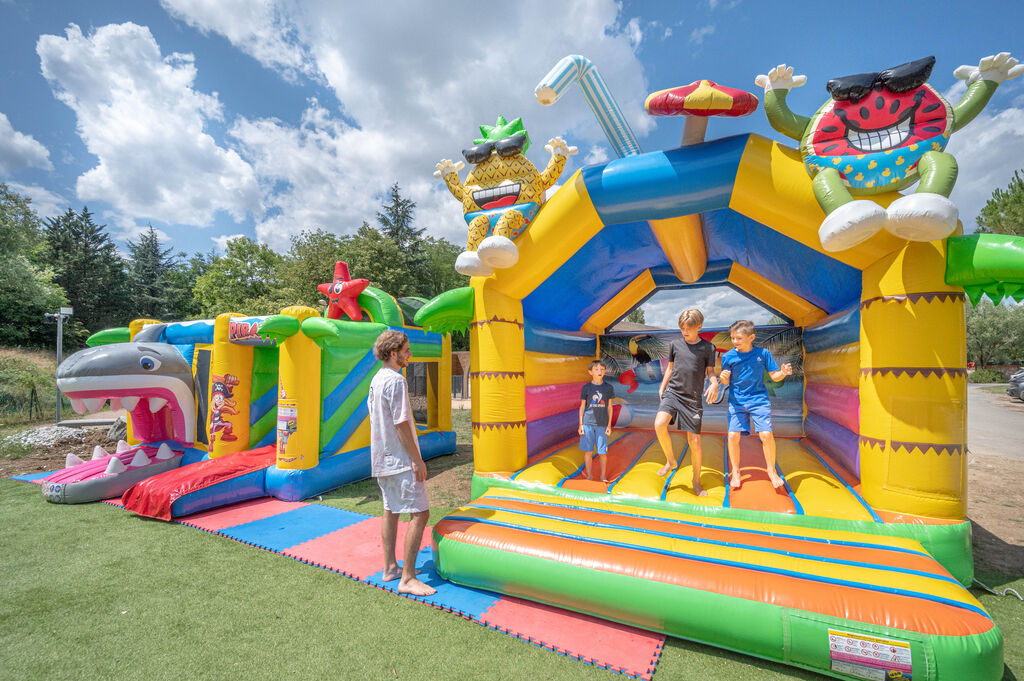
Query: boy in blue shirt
<point>743,369</point>
<point>595,424</point>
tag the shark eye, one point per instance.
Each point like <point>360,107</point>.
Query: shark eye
<point>149,363</point>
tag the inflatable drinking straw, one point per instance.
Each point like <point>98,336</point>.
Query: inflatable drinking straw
<point>576,68</point>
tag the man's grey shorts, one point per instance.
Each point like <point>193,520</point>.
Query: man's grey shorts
<point>403,493</point>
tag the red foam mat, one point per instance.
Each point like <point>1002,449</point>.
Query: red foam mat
<point>618,647</point>
<point>246,512</point>
<point>354,551</point>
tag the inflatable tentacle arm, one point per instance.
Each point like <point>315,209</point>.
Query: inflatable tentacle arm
<point>777,83</point>
<point>450,173</point>
<point>560,153</point>
<point>982,81</point>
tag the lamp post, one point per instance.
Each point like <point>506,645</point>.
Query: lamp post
<point>59,318</point>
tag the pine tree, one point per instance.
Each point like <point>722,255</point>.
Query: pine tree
<point>396,221</point>
<point>1004,212</point>
<point>148,268</point>
<point>89,270</point>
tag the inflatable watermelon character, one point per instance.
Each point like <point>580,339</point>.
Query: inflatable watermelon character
<point>882,132</point>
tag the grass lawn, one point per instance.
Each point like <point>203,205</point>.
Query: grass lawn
<point>93,592</point>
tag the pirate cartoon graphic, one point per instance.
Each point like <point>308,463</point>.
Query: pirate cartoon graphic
<point>221,404</point>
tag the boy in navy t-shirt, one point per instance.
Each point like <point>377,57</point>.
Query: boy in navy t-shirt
<point>595,424</point>
<point>743,369</point>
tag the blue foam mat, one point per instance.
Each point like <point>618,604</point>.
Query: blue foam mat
<point>29,477</point>
<point>288,529</point>
<point>466,601</point>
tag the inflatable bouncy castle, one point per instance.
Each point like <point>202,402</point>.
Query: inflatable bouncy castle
<point>857,566</point>
<point>239,407</point>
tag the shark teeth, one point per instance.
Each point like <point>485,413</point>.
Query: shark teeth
<point>78,406</point>
<point>129,403</point>
<point>94,404</point>
<point>99,453</point>
<point>139,460</point>
<point>72,460</point>
<point>115,403</point>
<point>156,404</point>
<point>115,466</point>
<point>122,446</point>
<point>164,452</point>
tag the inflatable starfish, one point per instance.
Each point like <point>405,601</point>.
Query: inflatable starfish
<point>343,293</point>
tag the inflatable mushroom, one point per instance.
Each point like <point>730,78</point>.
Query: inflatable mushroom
<point>698,101</point>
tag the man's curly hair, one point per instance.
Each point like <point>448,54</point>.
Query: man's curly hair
<point>388,342</point>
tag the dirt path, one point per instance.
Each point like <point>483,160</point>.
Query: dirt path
<point>995,423</point>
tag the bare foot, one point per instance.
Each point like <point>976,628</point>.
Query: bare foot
<point>734,481</point>
<point>777,482</point>
<point>698,490</point>
<point>663,471</point>
<point>391,575</point>
<point>415,587</point>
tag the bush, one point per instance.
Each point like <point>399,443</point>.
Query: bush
<point>986,376</point>
<point>21,371</point>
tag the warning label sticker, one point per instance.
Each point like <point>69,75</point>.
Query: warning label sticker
<point>869,657</point>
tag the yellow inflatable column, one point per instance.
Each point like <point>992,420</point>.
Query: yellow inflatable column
<point>913,385</point>
<point>298,398</point>
<point>497,380</point>
<point>230,390</point>
<point>441,395</point>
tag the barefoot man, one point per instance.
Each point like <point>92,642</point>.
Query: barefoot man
<point>396,461</point>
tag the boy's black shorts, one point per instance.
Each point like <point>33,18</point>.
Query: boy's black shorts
<point>686,411</point>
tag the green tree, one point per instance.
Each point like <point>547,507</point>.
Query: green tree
<point>148,268</point>
<point>371,255</point>
<point>89,270</point>
<point>244,280</point>
<point>636,316</point>
<point>27,287</point>
<point>995,333</point>
<point>396,221</point>
<point>180,280</point>
<point>310,262</point>
<point>1004,212</point>
<point>440,257</point>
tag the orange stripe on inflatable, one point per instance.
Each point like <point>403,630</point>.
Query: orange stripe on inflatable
<point>832,600</point>
<point>876,556</point>
<point>757,493</point>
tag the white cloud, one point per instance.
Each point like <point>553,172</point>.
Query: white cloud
<point>417,101</point>
<point>45,203</point>
<point>987,152</point>
<point>222,241</point>
<point>19,151</point>
<point>634,32</point>
<point>721,307</point>
<point>140,116</point>
<point>667,34</point>
<point>597,154</point>
<point>697,35</point>
<point>262,30</point>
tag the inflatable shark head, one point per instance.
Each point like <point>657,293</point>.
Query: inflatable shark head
<point>150,379</point>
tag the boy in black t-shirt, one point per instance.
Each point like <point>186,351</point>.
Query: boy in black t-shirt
<point>595,424</point>
<point>690,359</point>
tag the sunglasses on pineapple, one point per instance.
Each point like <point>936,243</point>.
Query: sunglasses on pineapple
<point>902,78</point>
<point>510,146</point>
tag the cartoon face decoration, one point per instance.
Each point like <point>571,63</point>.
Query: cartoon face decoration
<point>877,126</point>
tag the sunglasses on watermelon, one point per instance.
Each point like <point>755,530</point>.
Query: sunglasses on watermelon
<point>902,78</point>
<point>510,146</point>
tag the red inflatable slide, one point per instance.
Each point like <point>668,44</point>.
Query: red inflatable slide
<point>153,497</point>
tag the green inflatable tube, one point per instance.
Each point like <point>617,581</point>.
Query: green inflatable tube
<point>450,311</point>
<point>990,264</point>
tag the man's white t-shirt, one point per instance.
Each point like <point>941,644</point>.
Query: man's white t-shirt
<point>389,405</point>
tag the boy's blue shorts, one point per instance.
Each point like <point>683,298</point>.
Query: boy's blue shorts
<point>594,440</point>
<point>758,410</point>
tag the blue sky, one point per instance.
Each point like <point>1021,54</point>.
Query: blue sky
<point>212,118</point>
